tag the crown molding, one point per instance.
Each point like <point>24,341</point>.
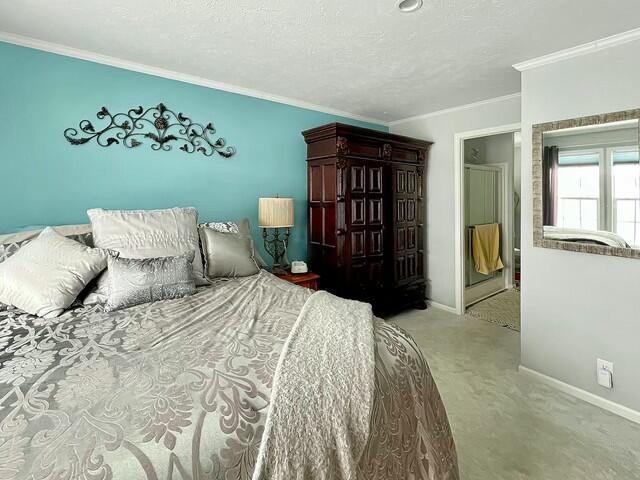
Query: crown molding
<point>596,45</point>
<point>456,109</point>
<point>173,75</point>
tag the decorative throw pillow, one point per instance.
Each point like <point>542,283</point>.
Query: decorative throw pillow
<point>241,226</point>
<point>12,242</point>
<point>46,275</point>
<point>227,254</point>
<point>145,234</point>
<point>133,281</point>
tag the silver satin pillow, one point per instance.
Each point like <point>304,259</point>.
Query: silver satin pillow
<point>240,226</point>
<point>227,254</point>
<point>45,276</point>
<point>133,281</point>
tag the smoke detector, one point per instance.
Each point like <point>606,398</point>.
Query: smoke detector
<point>408,6</point>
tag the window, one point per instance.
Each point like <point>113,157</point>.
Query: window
<point>579,201</point>
<point>595,194</point>
<point>625,169</point>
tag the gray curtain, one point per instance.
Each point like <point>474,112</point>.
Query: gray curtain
<point>550,185</point>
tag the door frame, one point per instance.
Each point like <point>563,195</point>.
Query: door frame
<point>458,149</point>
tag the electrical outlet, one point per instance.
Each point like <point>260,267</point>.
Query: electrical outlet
<point>604,373</point>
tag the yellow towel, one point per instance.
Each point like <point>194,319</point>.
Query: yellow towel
<point>486,248</point>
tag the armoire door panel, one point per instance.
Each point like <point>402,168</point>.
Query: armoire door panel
<point>411,210</point>
<point>375,180</point>
<point>401,239</point>
<point>375,211</point>
<point>375,242</point>
<point>411,237</point>
<point>315,183</point>
<point>411,182</point>
<point>411,265</point>
<point>401,268</point>
<point>401,181</point>
<point>357,244</point>
<point>315,220</point>
<point>330,226</point>
<point>357,179</point>
<point>357,211</point>
<point>376,273</point>
<point>401,210</point>
<point>329,183</point>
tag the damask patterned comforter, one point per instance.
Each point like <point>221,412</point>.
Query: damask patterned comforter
<point>180,389</point>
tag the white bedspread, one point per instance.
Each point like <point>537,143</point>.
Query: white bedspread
<point>576,235</point>
<point>318,424</point>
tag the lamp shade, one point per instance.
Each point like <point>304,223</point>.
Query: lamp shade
<point>275,212</point>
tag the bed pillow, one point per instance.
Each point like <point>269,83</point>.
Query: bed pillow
<point>241,226</point>
<point>133,281</point>
<point>45,276</point>
<point>145,234</point>
<point>227,254</point>
<point>12,242</point>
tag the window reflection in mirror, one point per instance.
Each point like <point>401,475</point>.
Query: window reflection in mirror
<point>591,184</point>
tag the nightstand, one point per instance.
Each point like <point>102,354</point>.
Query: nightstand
<point>307,280</point>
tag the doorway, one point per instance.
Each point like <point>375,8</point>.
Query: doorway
<point>487,173</point>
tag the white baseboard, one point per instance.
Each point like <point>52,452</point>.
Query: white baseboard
<point>588,397</point>
<point>441,306</point>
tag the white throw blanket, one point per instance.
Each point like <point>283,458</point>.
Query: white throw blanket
<point>318,421</point>
<point>573,234</point>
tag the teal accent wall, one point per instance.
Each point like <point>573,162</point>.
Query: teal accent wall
<point>47,181</point>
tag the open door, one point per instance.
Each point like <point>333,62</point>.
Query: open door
<point>484,203</point>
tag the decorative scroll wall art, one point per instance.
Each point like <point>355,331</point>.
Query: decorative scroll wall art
<point>158,124</point>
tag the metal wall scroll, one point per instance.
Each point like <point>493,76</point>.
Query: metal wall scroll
<point>158,124</point>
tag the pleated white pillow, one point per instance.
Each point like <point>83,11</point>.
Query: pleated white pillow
<point>45,276</point>
<point>145,234</point>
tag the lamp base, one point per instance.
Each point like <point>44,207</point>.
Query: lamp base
<point>276,246</point>
<point>279,270</point>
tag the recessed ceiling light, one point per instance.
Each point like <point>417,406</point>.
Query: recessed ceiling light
<point>409,5</point>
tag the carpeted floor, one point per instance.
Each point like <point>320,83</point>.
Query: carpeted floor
<point>507,425</point>
<point>502,309</point>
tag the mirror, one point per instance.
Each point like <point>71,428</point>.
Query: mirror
<point>587,184</point>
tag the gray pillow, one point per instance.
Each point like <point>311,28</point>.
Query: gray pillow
<point>133,281</point>
<point>227,254</point>
<point>240,226</point>
<point>46,275</point>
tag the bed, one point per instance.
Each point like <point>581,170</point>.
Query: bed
<point>181,389</point>
<point>594,237</point>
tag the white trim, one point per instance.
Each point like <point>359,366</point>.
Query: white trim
<point>456,109</point>
<point>441,306</point>
<point>590,47</point>
<point>173,75</point>
<point>458,161</point>
<point>592,398</point>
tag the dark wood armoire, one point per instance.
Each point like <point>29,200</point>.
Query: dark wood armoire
<point>366,193</point>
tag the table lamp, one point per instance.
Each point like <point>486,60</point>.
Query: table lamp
<point>275,214</point>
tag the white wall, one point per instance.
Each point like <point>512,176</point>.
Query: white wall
<point>440,222</point>
<point>577,307</point>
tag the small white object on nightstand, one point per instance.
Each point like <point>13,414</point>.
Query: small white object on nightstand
<point>299,267</point>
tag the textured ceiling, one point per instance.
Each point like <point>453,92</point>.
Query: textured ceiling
<point>360,56</point>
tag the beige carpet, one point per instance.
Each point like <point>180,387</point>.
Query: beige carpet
<point>502,309</point>
<point>507,425</point>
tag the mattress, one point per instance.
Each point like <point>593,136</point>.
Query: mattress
<point>181,389</point>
